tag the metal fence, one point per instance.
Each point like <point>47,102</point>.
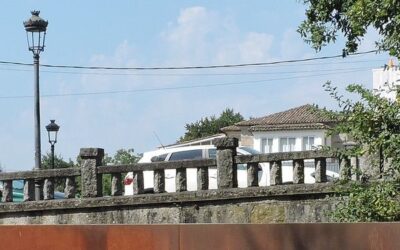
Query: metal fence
<point>268,236</point>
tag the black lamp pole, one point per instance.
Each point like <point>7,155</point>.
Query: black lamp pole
<point>35,33</point>
<point>52,130</point>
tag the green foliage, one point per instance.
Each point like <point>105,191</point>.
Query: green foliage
<point>373,122</point>
<point>59,162</point>
<point>325,19</point>
<point>122,156</point>
<point>376,201</point>
<point>210,125</point>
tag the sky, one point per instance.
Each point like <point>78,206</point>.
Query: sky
<point>114,109</point>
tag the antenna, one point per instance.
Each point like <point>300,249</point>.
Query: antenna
<point>158,139</point>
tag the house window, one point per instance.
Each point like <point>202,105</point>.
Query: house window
<point>308,142</point>
<point>266,145</point>
<point>287,144</point>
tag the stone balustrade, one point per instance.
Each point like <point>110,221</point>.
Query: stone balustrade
<point>91,172</point>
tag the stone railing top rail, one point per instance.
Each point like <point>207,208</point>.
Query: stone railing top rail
<point>240,159</point>
<point>40,174</point>
<point>286,156</point>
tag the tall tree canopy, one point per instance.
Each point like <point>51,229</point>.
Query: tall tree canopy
<point>210,125</point>
<point>326,19</point>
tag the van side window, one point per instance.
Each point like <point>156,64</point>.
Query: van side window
<point>159,158</point>
<point>212,153</point>
<point>187,155</point>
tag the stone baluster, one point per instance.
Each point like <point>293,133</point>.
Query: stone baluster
<point>7,191</point>
<point>138,184</point>
<point>275,173</point>
<point>159,181</point>
<point>180,180</point>
<point>355,168</point>
<point>226,165</point>
<point>252,174</point>
<point>345,169</point>
<point>116,184</point>
<point>91,180</point>
<point>48,189</point>
<point>202,178</point>
<point>29,190</point>
<point>70,187</point>
<point>298,171</point>
<point>320,170</point>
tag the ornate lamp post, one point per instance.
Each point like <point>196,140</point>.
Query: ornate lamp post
<point>35,33</point>
<point>52,130</point>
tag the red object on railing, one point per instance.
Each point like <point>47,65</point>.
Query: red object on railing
<point>128,181</point>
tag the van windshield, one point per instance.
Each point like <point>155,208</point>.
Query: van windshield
<point>250,150</point>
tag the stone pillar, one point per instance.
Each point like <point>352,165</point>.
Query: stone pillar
<point>48,189</point>
<point>298,171</point>
<point>138,183</point>
<point>159,181</point>
<point>180,180</point>
<point>7,191</point>
<point>29,190</point>
<point>275,173</point>
<point>320,170</point>
<point>91,181</point>
<point>70,187</point>
<point>202,178</point>
<point>226,166</point>
<point>345,169</point>
<point>252,174</point>
<point>355,167</point>
<point>116,184</point>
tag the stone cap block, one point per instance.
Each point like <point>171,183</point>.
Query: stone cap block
<point>90,153</point>
<point>226,142</point>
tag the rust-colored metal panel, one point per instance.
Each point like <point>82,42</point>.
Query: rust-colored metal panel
<point>292,236</point>
<point>96,237</point>
<point>203,236</point>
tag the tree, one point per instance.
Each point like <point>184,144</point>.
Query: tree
<point>59,162</point>
<point>122,156</point>
<point>325,19</point>
<point>210,125</point>
<point>373,122</point>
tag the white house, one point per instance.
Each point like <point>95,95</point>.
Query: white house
<point>385,77</point>
<point>296,129</point>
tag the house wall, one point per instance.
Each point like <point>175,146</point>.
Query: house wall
<point>319,138</point>
<point>234,134</point>
<point>246,137</point>
<point>386,76</point>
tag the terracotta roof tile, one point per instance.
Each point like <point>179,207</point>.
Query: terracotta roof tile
<point>298,126</point>
<point>230,128</point>
<point>305,114</point>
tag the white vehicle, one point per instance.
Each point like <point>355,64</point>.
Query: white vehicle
<point>208,152</point>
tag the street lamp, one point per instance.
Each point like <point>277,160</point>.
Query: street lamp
<point>35,33</point>
<point>52,130</point>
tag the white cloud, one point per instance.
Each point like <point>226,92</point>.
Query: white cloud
<point>202,36</point>
<point>255,47</point>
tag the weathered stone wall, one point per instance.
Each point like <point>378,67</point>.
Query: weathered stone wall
<point>278,204</point>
